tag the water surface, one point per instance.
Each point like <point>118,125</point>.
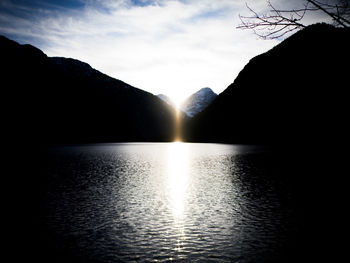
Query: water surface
<point>161,202</point>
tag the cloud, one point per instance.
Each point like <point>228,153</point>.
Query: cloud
<point>173,47</point>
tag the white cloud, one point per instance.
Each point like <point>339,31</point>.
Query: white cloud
<point>173,47</point>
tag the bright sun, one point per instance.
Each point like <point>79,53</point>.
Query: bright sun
<point>177,99</point>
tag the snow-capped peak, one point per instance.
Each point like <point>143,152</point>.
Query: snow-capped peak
<point>198,101</point>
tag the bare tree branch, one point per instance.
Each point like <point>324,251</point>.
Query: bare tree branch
<point>278,22</point>
<point>323,7</point>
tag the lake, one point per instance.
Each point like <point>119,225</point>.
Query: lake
<point>167,202</point>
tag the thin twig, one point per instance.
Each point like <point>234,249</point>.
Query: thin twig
<point>279,22</point>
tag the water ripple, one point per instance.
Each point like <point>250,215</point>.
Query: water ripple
<point>165,202</point>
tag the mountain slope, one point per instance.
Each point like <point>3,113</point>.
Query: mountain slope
<point>198,101</point>
<point>292,92</point>
<point>65,100</point>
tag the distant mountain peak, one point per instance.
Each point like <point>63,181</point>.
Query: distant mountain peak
<point>206,89</point>
<point>198,101</point>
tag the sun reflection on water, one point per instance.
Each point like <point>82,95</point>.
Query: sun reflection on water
<point>177,177</point>
<point>177,173</point>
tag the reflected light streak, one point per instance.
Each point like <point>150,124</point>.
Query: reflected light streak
<point>177,177</point>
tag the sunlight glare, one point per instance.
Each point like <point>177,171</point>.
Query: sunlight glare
<point>177,98</point>
<point>177,177</point>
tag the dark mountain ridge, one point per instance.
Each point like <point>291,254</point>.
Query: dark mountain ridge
<point>62,100</point>
<point>293,92</point>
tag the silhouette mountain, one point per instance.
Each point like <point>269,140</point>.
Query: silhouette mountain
<point>60,100</point>
<point>295,91</point>
<point>198,101</point>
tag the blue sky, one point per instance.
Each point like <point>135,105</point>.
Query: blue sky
<point>173,47</point>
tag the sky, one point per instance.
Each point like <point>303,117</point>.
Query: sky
<point>173,47</point>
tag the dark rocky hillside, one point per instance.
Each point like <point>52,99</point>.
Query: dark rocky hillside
<point>62,100</point>
<point>296,91</point>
